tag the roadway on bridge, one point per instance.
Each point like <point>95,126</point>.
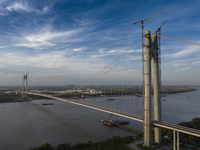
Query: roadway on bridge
<point>165,125</point>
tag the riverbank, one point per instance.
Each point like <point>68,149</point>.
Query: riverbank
<point>123,91</point>
<point>110,91</point>
<point>10,97</point>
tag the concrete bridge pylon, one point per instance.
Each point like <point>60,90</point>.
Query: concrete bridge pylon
<point>24,78</point>
<point>151,51</point>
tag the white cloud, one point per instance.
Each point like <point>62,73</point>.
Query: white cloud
<point>19,6</point>
<point>94,56</point>
<point>78,49</point>
<point>49,60</point>
<point>196,62</point>
<point>188,51</point>
<point>183,69</point>
<point>45,10</point>
<point>178,63</point>
<point>46,38</point>
<point>101,50</point>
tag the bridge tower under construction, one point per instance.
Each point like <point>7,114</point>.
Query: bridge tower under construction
<point>24,87</point>
<point>151,52</point>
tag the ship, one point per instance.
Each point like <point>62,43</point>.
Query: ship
<point>48,103</point>
<point>82,97</point>
<point>115,122</point>
<point>111,122</point>
<point>110,99</point>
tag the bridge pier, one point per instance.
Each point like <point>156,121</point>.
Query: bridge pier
<point>151,51</point>
<point>147,98</point>
<point>176,141</point>
<point>25,77</point>
<point>157,99</point>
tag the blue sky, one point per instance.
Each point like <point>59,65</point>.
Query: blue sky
<point>64,42</point>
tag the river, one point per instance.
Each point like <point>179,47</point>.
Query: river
<point>26,125</point>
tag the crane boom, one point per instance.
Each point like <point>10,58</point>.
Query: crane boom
<point>158,15</point>
<point>162,24</point>
<point>142,27</point>
<point>109,117</point>
<point>152,17</point>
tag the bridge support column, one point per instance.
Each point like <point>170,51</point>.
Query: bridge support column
<point>177,140</point>
<point>26,85</point>
<point>25,77</point>
<point>23,86</point>
<point>157,102</point>
<point>174,139</point>
<point>147,98</point>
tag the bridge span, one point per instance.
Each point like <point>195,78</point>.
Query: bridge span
<point>152,52</point>
<point>107,110</point>
<point>175,128</point>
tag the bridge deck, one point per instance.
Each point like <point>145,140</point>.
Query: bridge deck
<point>108,110</point>
<point>170,126</point>
<point>178,128</point>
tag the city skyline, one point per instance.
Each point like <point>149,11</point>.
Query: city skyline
<point>67,42</point>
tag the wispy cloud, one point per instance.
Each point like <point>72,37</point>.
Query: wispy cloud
<point>102,55</point>
<point>26,7</point>
<point>20,6</point>
<point>49,60</point>
<point>45,38</point>
<point>82,37</point>
<point>196,62</point>
<point>78,49</point>
<point>45,10</point>
<point>183,69</point>
<point>188,51</point>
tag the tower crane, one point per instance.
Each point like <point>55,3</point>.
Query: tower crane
<point>142,27</point>
<point>159,52</point>
<point>161,26</point>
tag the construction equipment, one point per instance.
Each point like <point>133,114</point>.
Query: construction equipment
<point>109,117</point>
<point>161,26</point>
<point>105,121</point>
<point>159,52</point>
<point>142,27</point>
<point>151,17</point>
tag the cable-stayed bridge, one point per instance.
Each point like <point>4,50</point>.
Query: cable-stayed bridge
<point>152,52</point>
<point>126,115</point>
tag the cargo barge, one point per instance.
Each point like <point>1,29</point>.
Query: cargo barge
<point>48,103</point>
<point>77,97</point>
<point>110,99</point>
<point>111,122</point>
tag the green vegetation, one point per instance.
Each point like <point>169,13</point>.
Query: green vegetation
<point>173,90</point>
<point>114,143</point>
<point>119,143</point>
<point>100,91</point>
<point>9,97</point>
<point>9,93</point>
<point>137,136</point>
<point>122,91</point>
